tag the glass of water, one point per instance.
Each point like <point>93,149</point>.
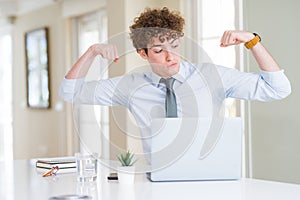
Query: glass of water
<point>87,167</point>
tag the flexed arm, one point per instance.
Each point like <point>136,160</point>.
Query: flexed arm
<point>262,56</point>
<point>83,64</point>
<point>270,84</point>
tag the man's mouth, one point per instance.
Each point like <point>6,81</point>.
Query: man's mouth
<point>172,65</point>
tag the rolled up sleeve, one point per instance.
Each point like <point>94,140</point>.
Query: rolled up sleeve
<point>68,88</point>
<point>265,86</point>
<point>279,83</point>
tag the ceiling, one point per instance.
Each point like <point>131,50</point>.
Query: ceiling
<point>10,8</point>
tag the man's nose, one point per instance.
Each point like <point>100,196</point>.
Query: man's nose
<point>169,55</point>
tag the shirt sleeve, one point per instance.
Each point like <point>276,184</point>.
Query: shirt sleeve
<point>102,92</point>
<point>265,86</point>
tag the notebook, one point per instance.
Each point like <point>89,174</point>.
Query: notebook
<point>64,164</point>
<point>191,149</point>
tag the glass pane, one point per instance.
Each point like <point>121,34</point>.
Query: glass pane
<point>93,29</point>
<point>6,142</point>
<point>217,16</point>
<point>37,68</point>
<point>218,55</point>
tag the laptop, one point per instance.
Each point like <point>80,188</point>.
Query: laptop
<point>194,149</point>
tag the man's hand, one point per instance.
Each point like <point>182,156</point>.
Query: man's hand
<point>235,37</point>
<point>263,58</point>
<point>83,64</point>
<point>108,51</point>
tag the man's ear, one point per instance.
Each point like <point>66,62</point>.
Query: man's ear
<point>142,53</point>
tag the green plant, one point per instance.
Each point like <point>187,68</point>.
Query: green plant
<point>126,159</point>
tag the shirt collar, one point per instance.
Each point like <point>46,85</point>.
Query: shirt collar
<point>180,76</point>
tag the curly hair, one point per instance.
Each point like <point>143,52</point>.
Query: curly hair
<point>161,23</point>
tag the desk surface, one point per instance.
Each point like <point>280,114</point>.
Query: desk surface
<point>20,180</point>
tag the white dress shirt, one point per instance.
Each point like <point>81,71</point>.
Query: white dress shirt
<point>200,91</point>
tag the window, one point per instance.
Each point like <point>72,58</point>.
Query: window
<point>206,22</point>
<point>93,119</point>
<point>218,16</point>
<point>6,128</point>
<point>6,131</point>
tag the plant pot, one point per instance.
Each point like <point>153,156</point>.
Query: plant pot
<point>126,174</point>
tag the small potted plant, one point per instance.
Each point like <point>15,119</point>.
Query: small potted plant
<point>126,170</point>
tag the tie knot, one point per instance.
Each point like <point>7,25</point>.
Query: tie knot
<point>169,82</point>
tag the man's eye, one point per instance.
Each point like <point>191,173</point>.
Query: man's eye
<point>157,50</point>
<point>175,46</point>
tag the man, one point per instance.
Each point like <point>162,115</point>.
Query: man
<point>197,90</point>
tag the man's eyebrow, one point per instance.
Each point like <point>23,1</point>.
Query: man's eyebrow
<point>157,45</point>
<point>161,45</point>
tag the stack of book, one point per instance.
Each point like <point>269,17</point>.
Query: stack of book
<point>64,164</point>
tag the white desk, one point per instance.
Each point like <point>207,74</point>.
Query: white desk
<point>22,182</point>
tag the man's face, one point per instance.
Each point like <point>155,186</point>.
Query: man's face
<point>164,57</point>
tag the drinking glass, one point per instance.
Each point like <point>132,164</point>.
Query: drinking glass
<point>87,167</point>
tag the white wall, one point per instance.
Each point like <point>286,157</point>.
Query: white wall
<point>275,125</point>
<point>38,133</point>
<point>51,132</point>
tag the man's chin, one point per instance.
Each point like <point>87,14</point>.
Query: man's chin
<point>173,73</point>
<point>175,70</point>
<point>170,72</point>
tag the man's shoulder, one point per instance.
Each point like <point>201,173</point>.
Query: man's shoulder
<point>131,80</point>
<point>205,68</point>
<point>198,66</point>
<point>136,77</point>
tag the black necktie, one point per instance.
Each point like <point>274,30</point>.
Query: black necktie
<point>170,103</point>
